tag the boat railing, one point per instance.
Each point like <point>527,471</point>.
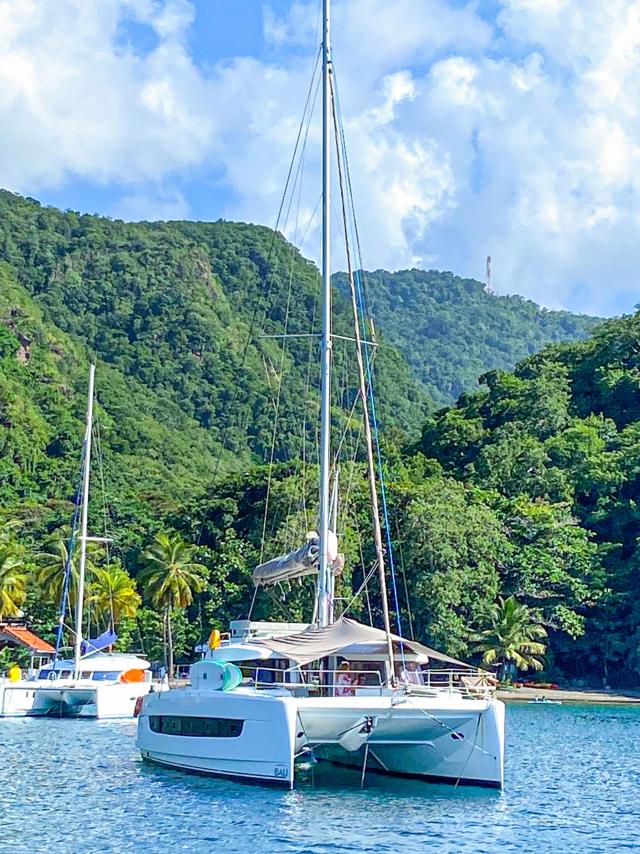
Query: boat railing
<point>321,683</point>
<point>472,682</point>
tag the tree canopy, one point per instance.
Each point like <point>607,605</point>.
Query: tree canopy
<point>559,441</point>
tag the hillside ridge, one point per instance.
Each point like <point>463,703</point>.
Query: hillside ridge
<point>451,331</point>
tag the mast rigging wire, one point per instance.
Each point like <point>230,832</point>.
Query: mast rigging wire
<point>361,297</point>
<point>259,302</point>
<point>68,568</point>
<point>279,374</point>
<point>367,406</point>
<point>105,513</point>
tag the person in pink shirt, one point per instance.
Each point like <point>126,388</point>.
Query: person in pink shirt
<point>345,681</point>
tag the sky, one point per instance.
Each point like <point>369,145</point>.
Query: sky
<point>508,128</point>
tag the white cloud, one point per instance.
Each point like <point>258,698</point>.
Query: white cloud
<point>402,182</point>
<point>517,141</point>
<point>375,35</point>
<point>74,101</point>
<point>516,135</point>
<point>396,88</point>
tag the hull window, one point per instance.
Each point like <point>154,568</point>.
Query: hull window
<point>199,727</point>
<point>105,675</point>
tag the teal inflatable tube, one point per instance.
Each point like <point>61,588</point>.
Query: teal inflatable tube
<point>232,677</point>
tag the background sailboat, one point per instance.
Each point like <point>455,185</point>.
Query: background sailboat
<point>95,683</point>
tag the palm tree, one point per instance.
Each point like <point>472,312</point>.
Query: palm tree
<point>511,635</point>
<point>51,569</point>
<point>170,579</point>
<point>13,580</point>
<point>53,562</point>
<point>113,593</point>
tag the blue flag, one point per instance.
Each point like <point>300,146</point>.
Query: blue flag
<point>105,639</point>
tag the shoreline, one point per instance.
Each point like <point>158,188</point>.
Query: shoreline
<point>583,695</point>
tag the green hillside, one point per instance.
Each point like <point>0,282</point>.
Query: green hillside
<point>184,322</point>
<point>176,315</point>
<point>450,331</point>
<point>527,487</point>
<point>43,378</point>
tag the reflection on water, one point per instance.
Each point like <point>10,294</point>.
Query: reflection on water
<point>572,785</point>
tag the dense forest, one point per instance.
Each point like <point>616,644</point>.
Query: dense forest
<point>556,445</point>
<point>451,331</point>
<point>207,434</point>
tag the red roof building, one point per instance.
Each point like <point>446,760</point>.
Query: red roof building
<point>16,634</point>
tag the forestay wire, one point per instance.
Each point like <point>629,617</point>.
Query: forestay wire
<point>261,300</point>
<point>292,194</point>
<point>297,183</point>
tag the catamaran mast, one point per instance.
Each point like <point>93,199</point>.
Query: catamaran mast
<point>325,607</point>
<point>83,524</point>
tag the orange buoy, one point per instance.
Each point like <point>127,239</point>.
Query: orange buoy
<point>133,675</point>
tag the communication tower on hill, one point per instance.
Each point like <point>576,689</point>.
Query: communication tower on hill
<point>487,281</point>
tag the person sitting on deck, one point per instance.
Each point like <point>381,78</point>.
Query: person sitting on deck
<point>344,681</point>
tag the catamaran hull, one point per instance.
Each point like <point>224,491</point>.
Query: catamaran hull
<point>449,741</point>
<point>115,700</point>
<point>264,750</point>
<point>16,699</point>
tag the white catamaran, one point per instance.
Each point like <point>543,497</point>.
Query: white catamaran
<point>274,697</point>
<point>94,683</point>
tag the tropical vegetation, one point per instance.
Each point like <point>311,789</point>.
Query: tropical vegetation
<point>112,594</point>
<point>524,490</point>
<point>510,637</point>
<point>13,580</point>
<point>451,330</point>
<point>171,577</point>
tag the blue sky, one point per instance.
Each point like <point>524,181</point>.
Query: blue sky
<point>503,127</point>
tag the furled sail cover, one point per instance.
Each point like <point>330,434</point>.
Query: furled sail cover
<point>303,561</point>
<point>101,642</point>
<point>315,643</point>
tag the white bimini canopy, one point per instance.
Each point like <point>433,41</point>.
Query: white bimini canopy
<point>342,637</point>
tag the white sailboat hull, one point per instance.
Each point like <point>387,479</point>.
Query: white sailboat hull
<point>262,752</point>
<point>448,739</point>
<point>102,700</point>
<point>16,698</point>
<point>444,739</point>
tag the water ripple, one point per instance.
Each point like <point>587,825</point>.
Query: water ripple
<point>573,785</point>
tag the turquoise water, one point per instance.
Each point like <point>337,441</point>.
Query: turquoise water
<point>573,785</point>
